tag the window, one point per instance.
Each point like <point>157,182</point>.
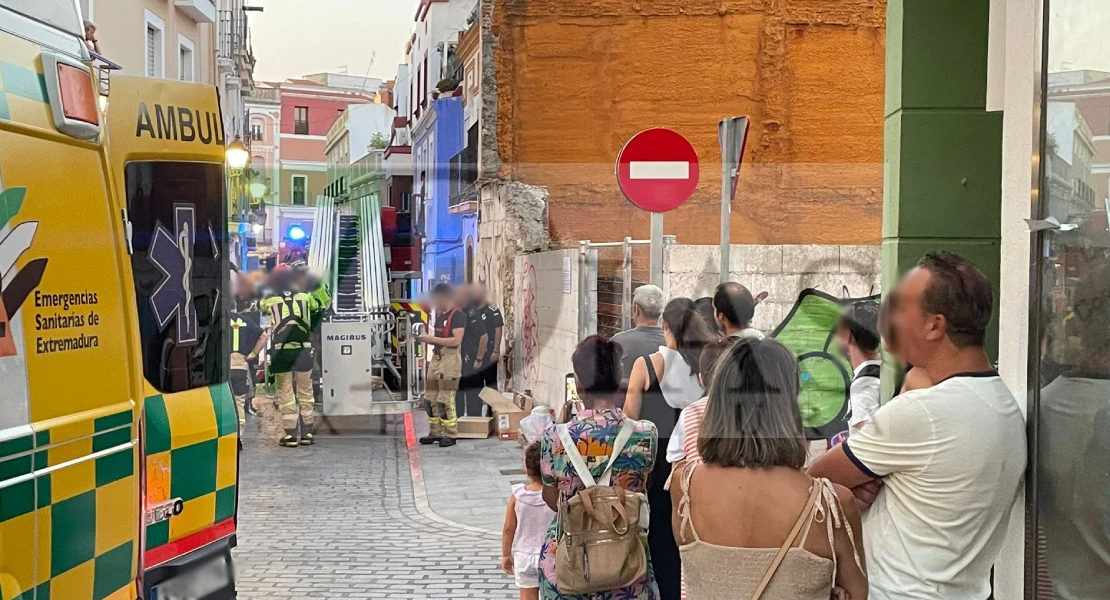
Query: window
<point>181,328</point>
<point>300,120</point>
<point>404,201</point>
<point>300,190</point>
<point>1067,546</point>
<point>427,90</point>
<point>155,46</point>
<point>256,131</point>
<point>186,67</point>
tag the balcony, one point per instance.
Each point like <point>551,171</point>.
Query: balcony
<point>201,11</point>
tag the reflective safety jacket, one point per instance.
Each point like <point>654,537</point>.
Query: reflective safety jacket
<point>290,317</point>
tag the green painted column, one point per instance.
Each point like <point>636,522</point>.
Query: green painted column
<point>943,150</point>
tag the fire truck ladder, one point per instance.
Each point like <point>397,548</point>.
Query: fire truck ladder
<point>352,257</point>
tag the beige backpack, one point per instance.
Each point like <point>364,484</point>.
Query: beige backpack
<point>599,546</point>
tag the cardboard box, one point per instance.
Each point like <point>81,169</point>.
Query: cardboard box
<point>475,428</point>
<point>508,410</point>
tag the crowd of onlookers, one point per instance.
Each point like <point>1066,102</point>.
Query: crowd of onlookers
<point>692,417</point>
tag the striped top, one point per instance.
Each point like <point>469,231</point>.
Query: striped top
<point>683,444</point>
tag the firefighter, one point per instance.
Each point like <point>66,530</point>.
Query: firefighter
<point>445,367</point>
<point>247,341</point>
<point>320,301</point>
<point>291,362</point>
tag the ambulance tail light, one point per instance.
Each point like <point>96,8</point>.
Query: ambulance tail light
<point>71,90</point>
<point>78,95</point>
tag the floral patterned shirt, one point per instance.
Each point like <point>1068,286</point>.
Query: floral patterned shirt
<point>595,432</point>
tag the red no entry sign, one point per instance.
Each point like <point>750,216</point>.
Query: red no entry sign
<point>658,170</point>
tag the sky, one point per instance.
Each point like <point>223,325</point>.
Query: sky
<point>292,38</point>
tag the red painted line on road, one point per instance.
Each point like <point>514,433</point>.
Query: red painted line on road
<point>410,431</point>
<point>187,544</point>
<point>416,470</point>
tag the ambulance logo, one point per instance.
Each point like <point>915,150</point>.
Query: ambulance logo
<point>172,253</point>
<point>15,286</point>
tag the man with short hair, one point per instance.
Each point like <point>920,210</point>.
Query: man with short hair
<point>291,361</point>
<point>857,338</point>
<point>444,368</point>
<point>646,336</point>
<point>951,457</point>
<point>734,308</point>
<point>90,37</point>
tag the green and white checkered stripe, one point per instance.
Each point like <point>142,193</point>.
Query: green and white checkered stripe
<point>192,455</point>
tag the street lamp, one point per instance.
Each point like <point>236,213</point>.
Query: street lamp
<point>258,191</point>
<point>237,156</point>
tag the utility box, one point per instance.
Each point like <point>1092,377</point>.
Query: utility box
<point>348,377</point>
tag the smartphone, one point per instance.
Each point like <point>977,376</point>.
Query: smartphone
<point>571,402</point>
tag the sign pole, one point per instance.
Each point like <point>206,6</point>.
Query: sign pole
<point>733,134</point>
<point>657,249</point>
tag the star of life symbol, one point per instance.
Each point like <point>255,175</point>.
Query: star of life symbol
<point>172,253</point>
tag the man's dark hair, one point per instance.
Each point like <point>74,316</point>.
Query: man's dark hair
<point>441,289</point>
<point>705,309</point>
<point>861,319</point>
<point>959,292</point>
<point>735,302</point>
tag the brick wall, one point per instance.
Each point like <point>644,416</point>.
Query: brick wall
<point>782,271</point>
<point>575,80</point>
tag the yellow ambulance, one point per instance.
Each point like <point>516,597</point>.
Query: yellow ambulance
<point>118,433</point>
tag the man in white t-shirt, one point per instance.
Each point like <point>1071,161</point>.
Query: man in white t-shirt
<point>950,457</point>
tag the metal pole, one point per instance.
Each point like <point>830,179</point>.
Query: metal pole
<point>726,133</point>
<point>583,285</point>
<point>668,240</point>
<point>657,249</point>
<point>733,134</point>
<point>626,287</point>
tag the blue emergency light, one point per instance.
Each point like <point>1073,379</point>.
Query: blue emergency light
<point>296,233</point>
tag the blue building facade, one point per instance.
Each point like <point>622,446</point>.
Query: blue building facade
<point>449,235</point>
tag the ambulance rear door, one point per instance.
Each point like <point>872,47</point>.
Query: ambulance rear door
<point>166,149</point>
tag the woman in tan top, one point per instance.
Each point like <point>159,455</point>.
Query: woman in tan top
<point>750,523</point>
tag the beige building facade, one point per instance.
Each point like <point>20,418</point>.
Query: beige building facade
<point>172,39</point>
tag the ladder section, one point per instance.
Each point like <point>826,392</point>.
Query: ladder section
<point>348,266</point>
<point>323,238</point>
<point>375,270</point>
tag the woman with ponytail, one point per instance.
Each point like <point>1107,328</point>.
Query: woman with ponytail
<point>660,386</point>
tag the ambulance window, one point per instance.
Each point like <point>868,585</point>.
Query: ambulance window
<point>180,263</point>
<point>59,13</point>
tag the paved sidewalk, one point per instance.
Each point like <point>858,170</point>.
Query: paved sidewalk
<point>341,520</point>
<point>470,482</point>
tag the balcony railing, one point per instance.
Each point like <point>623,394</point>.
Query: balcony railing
<point>234,35</point>
<point>300,127</point>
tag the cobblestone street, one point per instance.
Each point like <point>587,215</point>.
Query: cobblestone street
<point>341,520</point>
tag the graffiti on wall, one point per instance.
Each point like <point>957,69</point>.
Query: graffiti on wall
<point>528,329</point>
<point>826,376</point>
